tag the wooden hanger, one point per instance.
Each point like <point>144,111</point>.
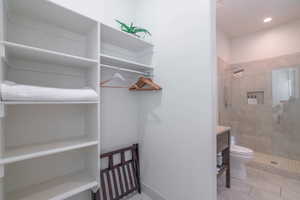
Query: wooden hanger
<point>142,82</point>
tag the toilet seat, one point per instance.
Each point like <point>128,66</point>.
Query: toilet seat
<point>240,151</point>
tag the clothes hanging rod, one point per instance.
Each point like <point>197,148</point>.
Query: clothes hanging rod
<point>126,70</point>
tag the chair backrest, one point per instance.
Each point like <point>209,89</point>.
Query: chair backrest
<point>121,175</point>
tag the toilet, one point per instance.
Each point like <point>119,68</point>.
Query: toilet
<point>239,157</point>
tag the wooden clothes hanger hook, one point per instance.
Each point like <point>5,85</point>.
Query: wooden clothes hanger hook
<point>142,82</point>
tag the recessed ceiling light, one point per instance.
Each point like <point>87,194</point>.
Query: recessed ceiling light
<point>268,19</point>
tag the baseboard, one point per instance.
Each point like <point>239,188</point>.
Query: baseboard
<point>152,193</point>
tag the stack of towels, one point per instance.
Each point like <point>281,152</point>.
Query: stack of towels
<point>11,91</point>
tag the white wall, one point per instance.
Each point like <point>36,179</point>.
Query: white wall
<point>119,113</point>
<point>114,9</point>
<point>177,125</point>
<point>124,10</point>
<point>176,134</point>
<point>223,46</point>
<point>91,8</point>
<point>281,40</point>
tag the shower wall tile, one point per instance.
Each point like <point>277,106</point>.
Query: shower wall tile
<point>247,141</point>
<point>259,126</point>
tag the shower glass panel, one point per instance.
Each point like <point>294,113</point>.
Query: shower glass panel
<point>284,85</point>
<point>270,126</point>
<point>286,113</point>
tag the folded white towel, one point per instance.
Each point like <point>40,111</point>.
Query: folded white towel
<point>11,91</point>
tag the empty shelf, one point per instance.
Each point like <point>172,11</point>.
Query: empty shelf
<point>123,63</point>
<point>32,53</point>
<point>35,151</point>
<point>57,189</point>
<point>124,40</point>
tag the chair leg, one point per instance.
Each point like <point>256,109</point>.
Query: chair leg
<point>96,196</point>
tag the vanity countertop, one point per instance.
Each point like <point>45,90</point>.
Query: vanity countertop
<point>222,129</point>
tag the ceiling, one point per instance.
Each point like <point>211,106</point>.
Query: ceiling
<point>241,17</point>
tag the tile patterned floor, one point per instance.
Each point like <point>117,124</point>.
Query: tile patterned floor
<point>276,165</point>
<point>260,185</point>
<point>265,181</point>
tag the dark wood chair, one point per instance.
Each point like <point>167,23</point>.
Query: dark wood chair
<point>121,177</point>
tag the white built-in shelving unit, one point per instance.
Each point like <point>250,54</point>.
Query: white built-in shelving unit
<point>120,49</point>
<point>48,150</point>
<point>14,50</point>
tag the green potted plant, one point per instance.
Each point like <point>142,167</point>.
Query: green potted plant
<point>134,30</point>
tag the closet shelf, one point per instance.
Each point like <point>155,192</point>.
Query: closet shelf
<point>35,151</point>
<point>32,53</point>
<point>56,189</point>
<point>124,40</point>
<point>123,63</point>
<point>47,102</point>
<point>50,56</point>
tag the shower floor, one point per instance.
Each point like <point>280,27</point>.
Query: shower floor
<point>277,165</point>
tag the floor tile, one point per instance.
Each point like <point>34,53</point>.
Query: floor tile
<point>232,194</point>
<point>261,184</point>
<point>291,190</point>
<point>240,185</point>
<point>279,165</point>
<point>269,187</point>
<point>263,181</point>
<point>290,194</point>
<point>258,194</point>
<point>291,185</point>
<point>264,176</point>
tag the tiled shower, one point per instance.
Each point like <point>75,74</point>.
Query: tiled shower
<point>260,101</point>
